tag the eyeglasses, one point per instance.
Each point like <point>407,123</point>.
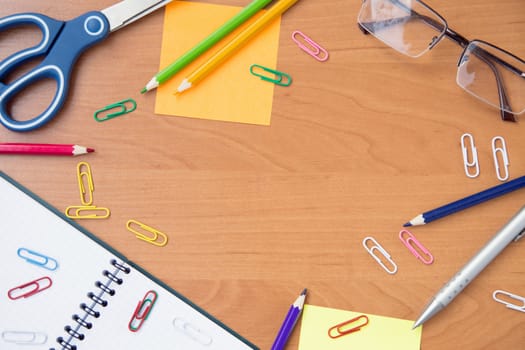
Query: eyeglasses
<point>491,74</point>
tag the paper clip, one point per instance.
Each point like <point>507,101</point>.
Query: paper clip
<point>37,286</point>
<point>192,332</point>
<point>115,110</point>
<point>385,254</point>
<point>339,329</point>
<point>508,304</point>
<point>37,259</point>
<point>313,48</point>
<point>142,311</point>
<point>85,183</point>
<point>412,243</point>
<point>279,78</point>
<point>24,338</point>
<point>467,164</point>
<point>140,228</point>
<point>502,151</point>
<point>87,212</point>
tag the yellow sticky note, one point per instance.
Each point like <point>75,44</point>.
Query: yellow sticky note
<point>230,93</point>
<point>380,333</point>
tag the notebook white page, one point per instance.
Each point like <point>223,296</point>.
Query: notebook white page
<point>36,321</point>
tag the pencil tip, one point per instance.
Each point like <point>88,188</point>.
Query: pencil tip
<point>304,291</point>
<point>144,90</point>
<point>407,224</point>
<point>89,150</point>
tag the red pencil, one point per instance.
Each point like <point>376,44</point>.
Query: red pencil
<point>44,149</point>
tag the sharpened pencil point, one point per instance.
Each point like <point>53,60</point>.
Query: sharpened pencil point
<point>304,291</point>
<point>144,90</point>
<point>89,150</point>
<point>407,224</point>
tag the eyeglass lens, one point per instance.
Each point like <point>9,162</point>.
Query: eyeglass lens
<point>493,75</point>
<point>405,25</point>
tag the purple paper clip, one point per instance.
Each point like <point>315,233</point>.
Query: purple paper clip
<point>412,243</point>
<point>309,46</point>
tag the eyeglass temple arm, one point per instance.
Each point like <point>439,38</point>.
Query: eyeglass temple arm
<point>463,42</point>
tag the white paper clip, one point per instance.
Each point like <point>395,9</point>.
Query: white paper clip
<point>507,303</point>
<point>24,338</point>
<point>500,152</point>
<point>473,163</point>
<point>386,256</point>
<point>192,332</point>
<point>309,46</point>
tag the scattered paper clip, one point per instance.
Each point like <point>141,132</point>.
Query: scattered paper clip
<point>192,332</point>
<point>142,311</point>
<point>85,183</point>
<point>507,303</point>
<point>416,247</point>
<point>28,289</point>
<point>383,252</point>
<point>279,78</point>
<point>138,228</point>
<point>309,46</point>
<point>472,163</point>
<point>499,150</point>
<point>87,212</point>
<point>37,259</point>
<point>115,110</point>
<point>340,329</point>
<point>24,338</point>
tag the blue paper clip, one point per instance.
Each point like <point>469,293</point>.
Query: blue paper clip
<point>279,78</point>
<point>116,109</point>
<point>37,259</point>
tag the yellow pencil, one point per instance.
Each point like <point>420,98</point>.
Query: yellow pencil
<point>241,39</point>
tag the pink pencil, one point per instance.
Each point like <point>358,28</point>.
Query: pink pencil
<point>43,149</point>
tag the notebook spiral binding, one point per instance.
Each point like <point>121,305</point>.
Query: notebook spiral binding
<point>91,310</point>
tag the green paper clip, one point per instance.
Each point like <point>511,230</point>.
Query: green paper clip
<point>116,109</point>
<point>279,78</point>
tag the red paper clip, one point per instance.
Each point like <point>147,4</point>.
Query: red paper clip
<point>34,287</point>
<point>339,328</point>
<point>142,311</point>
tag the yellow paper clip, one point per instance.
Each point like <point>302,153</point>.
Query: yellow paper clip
<point>279,78</point>
<point>115,109</point>
<point>87,212</point>
<point>85,183</point>
<point>139,229</point>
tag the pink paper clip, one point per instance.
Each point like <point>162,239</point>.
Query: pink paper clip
<point>30,288</point>
<point>412,243</point>
<point>309,46</point>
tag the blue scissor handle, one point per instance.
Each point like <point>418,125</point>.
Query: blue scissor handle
<point>61,45</point>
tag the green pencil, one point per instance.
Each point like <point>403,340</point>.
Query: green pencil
<point>205,44</point>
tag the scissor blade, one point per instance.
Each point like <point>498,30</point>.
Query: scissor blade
<point>128,11</point>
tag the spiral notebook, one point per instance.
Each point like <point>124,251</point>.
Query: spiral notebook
<point>63,288</point>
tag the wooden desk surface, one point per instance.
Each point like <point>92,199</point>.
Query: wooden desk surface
<point>357,146</point>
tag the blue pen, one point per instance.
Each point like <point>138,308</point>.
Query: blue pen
<point>62,43</point>
<point>289,322</point>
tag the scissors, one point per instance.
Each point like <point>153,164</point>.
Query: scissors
<point>62,43</point>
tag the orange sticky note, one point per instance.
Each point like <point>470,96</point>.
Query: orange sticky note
<point>230,93</point>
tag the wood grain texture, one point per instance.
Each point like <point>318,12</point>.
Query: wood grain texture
<point>357,146</point>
